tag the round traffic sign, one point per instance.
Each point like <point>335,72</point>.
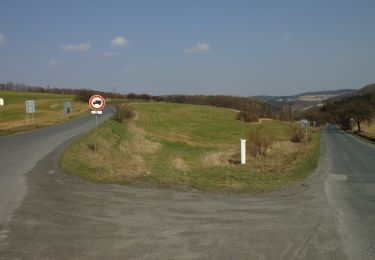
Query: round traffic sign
<point>97,102</point>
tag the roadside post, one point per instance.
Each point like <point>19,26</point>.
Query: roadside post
<point>97,104</point>
<point>30,108</point>
<point>243,151</point>
<point>1,103</point>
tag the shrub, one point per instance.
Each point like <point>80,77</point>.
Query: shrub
<point>259,141</point>
<point>123,111</point>
<point>247,116</point>
<point>297,134</point>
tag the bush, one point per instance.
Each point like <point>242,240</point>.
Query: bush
<point>259,141</point>
<point>297,134</point>
<point>123,111</point>
<point>247,116</point>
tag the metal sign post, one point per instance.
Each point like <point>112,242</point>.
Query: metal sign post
<point>97,104</point>
<point>96,130</point>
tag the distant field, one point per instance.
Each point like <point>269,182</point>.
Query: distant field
<point>49,110</point>
<point>182,146</point>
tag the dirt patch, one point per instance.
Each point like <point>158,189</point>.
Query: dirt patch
<point>180,164</point>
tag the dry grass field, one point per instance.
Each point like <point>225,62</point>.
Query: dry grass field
<point>49,111</point>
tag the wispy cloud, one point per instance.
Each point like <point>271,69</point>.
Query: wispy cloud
<point>2,38</point>
<point>53,63</point>
<point>108,54</point>
<point>125,70</point>
<point>200,47</point>
<point>120,42</point>
<point>77,47</point>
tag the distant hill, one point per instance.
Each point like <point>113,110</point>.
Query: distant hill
<point>308,101</point>
<point>304,100</point>
<point>368,89</point>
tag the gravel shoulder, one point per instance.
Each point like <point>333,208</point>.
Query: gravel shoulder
<point>65,217</point>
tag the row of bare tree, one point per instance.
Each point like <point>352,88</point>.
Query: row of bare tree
<point>357,110</point>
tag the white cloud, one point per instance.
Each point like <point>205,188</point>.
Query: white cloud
<point>2,38</point>
<point>53,63</point>
<point>77,47</point>
<point>108,54</point>
<point>120,42</point>
<point>200,47</point>
<point>125,70</point>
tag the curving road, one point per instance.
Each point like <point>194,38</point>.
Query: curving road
<point>56,216</point>
<point>20,152</point>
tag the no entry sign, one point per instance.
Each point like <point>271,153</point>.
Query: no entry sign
<point>97,102</point>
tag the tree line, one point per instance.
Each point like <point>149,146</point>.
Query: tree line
<point>353,110</point>
<point>249,109</point>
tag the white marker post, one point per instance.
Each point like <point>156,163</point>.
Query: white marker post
<point>243,151</point>
<point>1,104</point>
<point>97,103</point>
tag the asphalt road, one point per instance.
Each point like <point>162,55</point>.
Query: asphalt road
<point>19,153</point>
<point>331,216</point>
<point>350,188</point>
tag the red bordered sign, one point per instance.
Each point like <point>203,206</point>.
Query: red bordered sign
<point>97,102</point>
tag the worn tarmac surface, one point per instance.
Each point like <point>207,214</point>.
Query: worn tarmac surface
<point>63,217</point>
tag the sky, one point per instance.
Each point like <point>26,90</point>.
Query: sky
<point>243,48</point>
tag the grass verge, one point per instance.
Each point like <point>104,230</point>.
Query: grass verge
<point>189,146</point>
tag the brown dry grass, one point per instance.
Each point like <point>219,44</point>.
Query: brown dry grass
<point>286,146</point>
<point>48,112</point>
<point>179,164</point>
<point>130,161</point>
<point>122,149</point>
<point>219,158</point>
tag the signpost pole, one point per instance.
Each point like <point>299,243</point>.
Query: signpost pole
<point>96,130</point>
<point>97,104</point>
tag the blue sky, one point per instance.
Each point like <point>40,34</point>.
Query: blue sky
<point>189,47</point>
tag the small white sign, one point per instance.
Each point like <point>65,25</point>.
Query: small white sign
<point>30,106</point>
<point>1,102</point>
<point>96,112</point>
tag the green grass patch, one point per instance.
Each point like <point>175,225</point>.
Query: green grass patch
<point>191,147</point>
